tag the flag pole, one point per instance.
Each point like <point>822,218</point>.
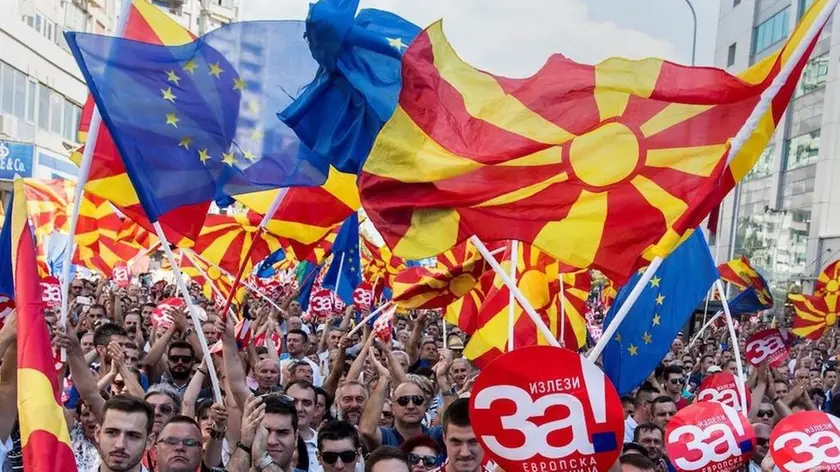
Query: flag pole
<point>704,328</point>
<point>338,278</point>
<point>244,282</point>
<point>369,317</point>
<point>736,350</point>
<point>182,286</point>
<point>514,258</point>
<point>278,199</point>
<point>625,308</point>
<point>84,173</point>
<point>562,311</point>
<point>511,285</point>
<point>186,252</point>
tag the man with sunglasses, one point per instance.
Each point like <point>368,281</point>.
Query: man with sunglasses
<point>339,448</point>
<point>674,383</point>
<point>178,447</point>
<point>180,359</point>
<point>762,443</point>
<point>167,405</point>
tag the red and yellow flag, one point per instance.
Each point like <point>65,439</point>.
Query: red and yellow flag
<point>45,439</point>
<point>575,294</point>
<point>741,273</point>
<point>814,315</point>
<point>225,240</point>
<point>98,244</point>
<point>49,203</point>
<point>606,168</point>
<point>537,277</point>
<point>108,178</point>
<point>424,288</point>
<point>828,283</point>
<point>295,219</point>
<point>194,267</point>
<point>379,265</point>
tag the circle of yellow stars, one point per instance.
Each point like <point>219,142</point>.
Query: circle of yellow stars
<point>215,70</point>
<point>647,338</point>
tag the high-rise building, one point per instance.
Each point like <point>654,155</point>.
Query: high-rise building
<point>785,215</point>
<point>189,12</point>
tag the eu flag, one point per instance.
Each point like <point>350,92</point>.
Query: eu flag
<point>345,273</point>
<point>266,268</point>
<point>662,309</point>
<point>7,280</point>
<point>747,301</point>
<point>197,122</point>
<point>358,83</point>
<point>306,273</point>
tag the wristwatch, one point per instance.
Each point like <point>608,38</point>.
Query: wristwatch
<point>264,463</point>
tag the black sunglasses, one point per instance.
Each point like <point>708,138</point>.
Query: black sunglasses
<point>762,441</point>
<point>428,461</point>
<point>347,457</point>
<point>165,409</point>
<point>677,381</point>
<point>416,399</point>
<point>187,442</point>
<point>767,413</point>
<point>181,359</point>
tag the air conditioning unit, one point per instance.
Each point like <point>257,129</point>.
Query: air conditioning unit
<point>8,126</point>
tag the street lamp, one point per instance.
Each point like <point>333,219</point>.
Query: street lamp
<point>694,34</point>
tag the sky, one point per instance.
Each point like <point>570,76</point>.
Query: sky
<point>515,37</point>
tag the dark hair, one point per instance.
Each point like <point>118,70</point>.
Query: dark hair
<point>181,345</point>
<point>672,369</point>
<point>382,453</point>
<point>704,356</point>
<point>260,350</point>
<point>100,307</point>
<point>201,406</point>
<point>336,431</point>
<point>646,427</point>
<point>301,364</point>
<point>181,419</point>
<point>627,399</point>
<point>303,384</point>
<point>631,446</point>
<point>328,400</point>
<point>458,414</point>
<point>127,404</point>
<point>280,405</point>
<point>421,440</point>
<point>152,305</point>
<point>102,335</point>
<point>660,400</point>
<point>816,391</point>
<point>300,332</point>
<point>638,400</point>
<point>638,461</point>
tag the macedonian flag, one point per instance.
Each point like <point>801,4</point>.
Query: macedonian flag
<point>226,240</point>
<point>537,277</point>
<point>49,203</point>
<point>741,273</point>
<point>379,265</point>
<point>814,315</point>
<point>828,283</point>
<point>209,277</point>
<point>44,437</point>
<point>576,288</point>
<point>603,166</point>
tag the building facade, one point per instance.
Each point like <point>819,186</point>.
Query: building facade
<point>189,12</point>
<point>785,215</point>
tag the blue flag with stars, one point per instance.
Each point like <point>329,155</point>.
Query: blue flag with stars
<point>358,83</point>
<point>662,309</point>
<point>266,268</point>
<point>344,273</point>
<point>746,302</point>
<point>197,122</point>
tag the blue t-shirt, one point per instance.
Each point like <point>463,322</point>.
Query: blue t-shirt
<point>392,437</point>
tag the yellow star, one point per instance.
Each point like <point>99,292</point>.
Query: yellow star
<point>172,77</point>
<point>203,156</point>
<point>654,282</point>
<point>656,319</point>
<point>238,84</point>
<point>185,142</point>
<point>171,119</point>
<point>254,106</point>
<point>647,338</point>
<point>660,299</point>
<point>618,337</point>
<point>634,351</point>
<point>168,95</point>
<point>215,70</point>
<point>247,154</point>
<point>228,158</point>
<point>396,43</point>
<point>190,66</point>
<point>256,135</point>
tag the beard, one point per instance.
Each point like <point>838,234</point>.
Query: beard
<point>180,373</point>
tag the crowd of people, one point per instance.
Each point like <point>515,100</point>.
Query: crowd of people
<point>307,395</point>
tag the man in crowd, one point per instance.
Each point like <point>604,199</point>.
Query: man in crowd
<point>663,409</point>
<point>297,342</point>
<point>641,411</point>
<point>463,452</point>
<point>339,447</point>
<point>124,434</point>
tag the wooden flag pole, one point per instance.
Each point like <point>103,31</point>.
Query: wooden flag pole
<point>278,199</point>
<point>736,350</point>
<point>514,258</point>
<point>625,309</point>
<point>182,286</point>
<point>511,285</point>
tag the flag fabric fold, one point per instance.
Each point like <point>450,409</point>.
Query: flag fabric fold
<point>814,315</point>
<point>470,153</point>
<point>746,302</point>
<point>196,122</point>
<point>663,307</point>
<point>358,82</point>
<point>828,282</point>
<point>45,439</point>
<point>345,273</point>
<point>741,273</point>
<point>225,240</point>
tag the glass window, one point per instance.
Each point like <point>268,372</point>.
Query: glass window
<point>803,6</point>
<point>31,100</point>
<point>38,20</point>
<point>71,121</point>
<point>20,95</point>
<point>7,83</point>
<point>764,166</point>
<point>48,30</point>
<point>771,31</point>
<point>730,57</point>
<point>43,107</point>
<point>56,112</point>
<point>814,75</point>
<point>802,150</point>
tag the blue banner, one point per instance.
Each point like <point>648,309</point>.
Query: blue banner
<point>15,158</point>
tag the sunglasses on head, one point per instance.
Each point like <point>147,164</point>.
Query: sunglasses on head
<point>346,457</point>
<point>767,413</point>
<point>428,461</point>
<point>416,399</point>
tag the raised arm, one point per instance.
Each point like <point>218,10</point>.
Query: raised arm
<point>369,424</point>
<point>233,366</point>
<point>358,364</point>
<point>83,379</point>
<point>412,347</point>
